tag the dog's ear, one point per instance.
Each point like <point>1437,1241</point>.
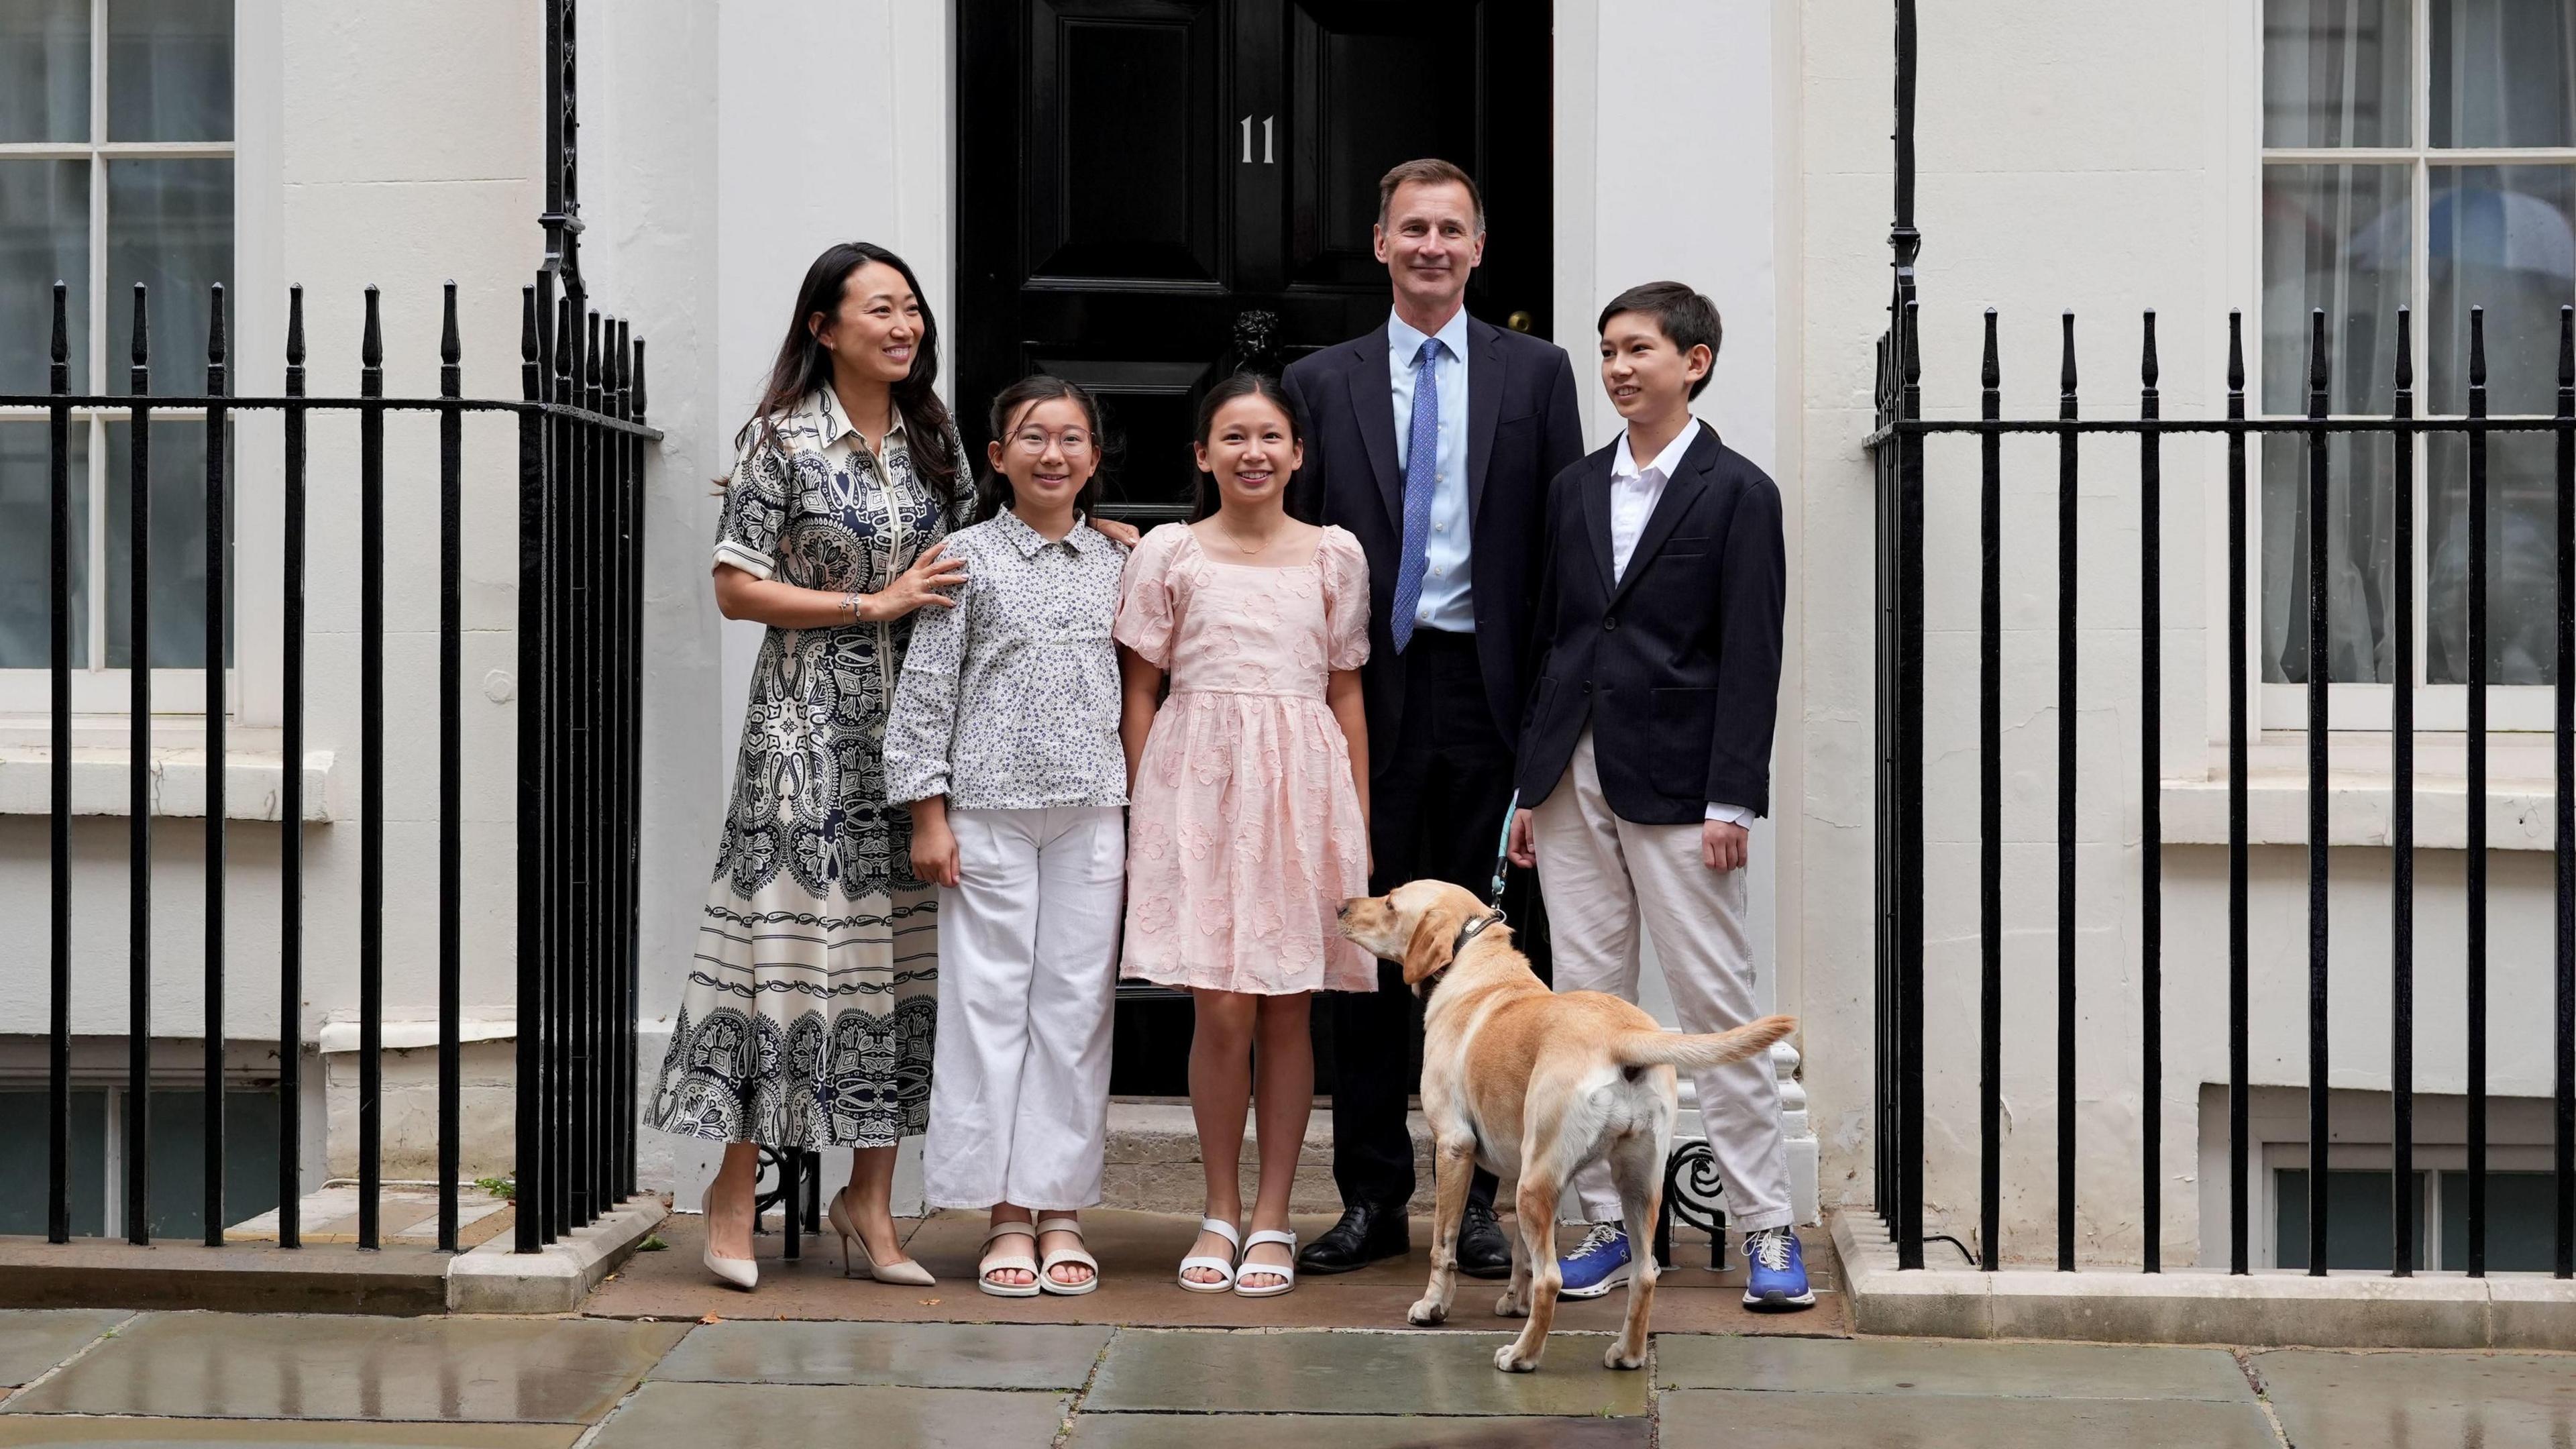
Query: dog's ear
<point>1435,938</point>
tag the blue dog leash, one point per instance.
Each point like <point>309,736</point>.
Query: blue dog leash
<point>1503,853</point>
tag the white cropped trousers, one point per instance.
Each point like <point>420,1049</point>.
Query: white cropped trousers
<point>1028,967</point>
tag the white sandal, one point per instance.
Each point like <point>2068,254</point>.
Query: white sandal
<point>1004,1263</point>
<point>1286,1275</point>
<point>1225,1266</point>
<point>1046,1267</point>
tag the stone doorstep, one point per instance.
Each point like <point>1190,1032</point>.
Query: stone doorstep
<point>494,1279</point>
<point>2269,1310</point>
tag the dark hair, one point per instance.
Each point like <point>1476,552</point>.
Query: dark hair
<point>1242,384</point>
<point>1681,314</point>
<point>804,367</point>
<point>1429,171</point>
<point>1014,403</point>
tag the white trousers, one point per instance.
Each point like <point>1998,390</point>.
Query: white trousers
<point>1602,877</point>
<point>1028,966</point>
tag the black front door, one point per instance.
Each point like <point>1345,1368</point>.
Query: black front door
<point>1152,193</point>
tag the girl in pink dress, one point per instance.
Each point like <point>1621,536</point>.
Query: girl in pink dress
<point>1248,816</point>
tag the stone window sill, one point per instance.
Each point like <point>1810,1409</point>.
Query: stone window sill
<point>254,782</point>
<point>2520,813</point>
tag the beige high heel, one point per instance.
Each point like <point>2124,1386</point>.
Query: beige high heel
<point>854,1247</point>
<point>742,1273</point>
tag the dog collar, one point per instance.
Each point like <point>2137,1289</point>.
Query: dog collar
<point>1472,930</point>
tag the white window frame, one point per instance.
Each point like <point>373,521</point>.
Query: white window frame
<point>254,341</point>
<point>2368,707</point>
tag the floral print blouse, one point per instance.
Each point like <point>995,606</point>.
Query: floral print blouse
<point>1010,701</point>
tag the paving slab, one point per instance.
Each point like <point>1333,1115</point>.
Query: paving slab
<point>35,1339</point>
<point>911,1355</point>
<point>1742,1419</point>
<point>664,1414</point>
<point>229,1366</point>
<point>1139,1253</point>
<point>1353,1431</point>
<point>2496,1400</point>
<point>1902,1366</point>
<point>1297,1372</point>
<point>52,1429</point>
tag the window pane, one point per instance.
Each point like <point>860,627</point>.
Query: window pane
<point>2360,1231</point>
<point>2502,238</point>
<point>26,1146</point>
<point>170,70</point>
<point>2501,75</point>
<point>2361,563</point>
<point>44,239</point>
<point>177,1206</point>
<point>44,71</point>
<point>2336,238</point>
<point>170,227</point>
<point>2521,1232</point>
<point>178,546</point>
<point>26,543</point>
<point>2522,560</point>
<point>2335,73</point>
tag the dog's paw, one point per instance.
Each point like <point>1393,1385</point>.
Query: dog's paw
<point>1510,1306</point>
<point>1426,1313</point>
<point>1619,1358</point>
<point>1508,1359</point>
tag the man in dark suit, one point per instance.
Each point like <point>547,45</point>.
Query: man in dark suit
<point>1432,439</point>
<point>1647,752</point>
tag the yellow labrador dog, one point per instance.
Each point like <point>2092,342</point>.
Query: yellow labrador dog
<point>1533,1085</point>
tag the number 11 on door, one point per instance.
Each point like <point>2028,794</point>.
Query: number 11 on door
<point>1267,158</point>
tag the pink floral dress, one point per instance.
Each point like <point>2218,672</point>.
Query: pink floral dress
<point>1244,833</point>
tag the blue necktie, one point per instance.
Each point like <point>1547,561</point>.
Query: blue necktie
<point>1421,463</point>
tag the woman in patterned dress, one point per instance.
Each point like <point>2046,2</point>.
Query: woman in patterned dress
<point>808,1017</point>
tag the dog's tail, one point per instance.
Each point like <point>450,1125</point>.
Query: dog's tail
<point>1698,1053</point>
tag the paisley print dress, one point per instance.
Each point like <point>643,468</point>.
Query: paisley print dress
<point>808,1015</point>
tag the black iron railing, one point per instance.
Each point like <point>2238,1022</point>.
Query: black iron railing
<point>581,459</point>
<point>1899,447</point>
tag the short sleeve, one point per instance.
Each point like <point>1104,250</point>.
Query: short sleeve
<point>1145,611</point>
<point>755,508</point>
<point>1346,599</point>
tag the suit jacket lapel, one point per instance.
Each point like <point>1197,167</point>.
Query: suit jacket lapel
<point>1596,515</point>
<point>1373,403</point>
<point>1484,410</point>
<point>1681,490</point>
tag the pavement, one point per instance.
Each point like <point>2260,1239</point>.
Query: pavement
<point>168,1379</point>
<point>662,1357</point>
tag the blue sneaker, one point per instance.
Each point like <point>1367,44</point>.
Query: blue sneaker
<point>1776,1277</point>
<point>1597,1265</point>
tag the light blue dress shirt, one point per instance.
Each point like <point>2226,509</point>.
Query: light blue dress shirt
<point>1446,599</point>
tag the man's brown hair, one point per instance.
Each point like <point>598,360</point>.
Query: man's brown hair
<point>1429,171</point>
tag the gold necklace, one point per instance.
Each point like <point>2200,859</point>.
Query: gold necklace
<point>1255,550</point>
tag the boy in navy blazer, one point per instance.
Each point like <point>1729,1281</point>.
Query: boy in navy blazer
<point>1646,750</point>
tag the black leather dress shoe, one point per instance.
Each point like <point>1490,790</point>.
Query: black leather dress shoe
<point>1366,1234</point>
<point>1483,1251</point>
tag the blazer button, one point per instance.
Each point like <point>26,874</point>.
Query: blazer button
<point>1611,622</point>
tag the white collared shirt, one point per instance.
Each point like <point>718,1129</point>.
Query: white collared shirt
<point>1447,600</point>
<point>1634,492</point>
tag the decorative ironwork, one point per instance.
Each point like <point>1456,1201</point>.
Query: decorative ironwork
<point>1694,1193</point>
<point>562,216</point>
<point>787,1171</point>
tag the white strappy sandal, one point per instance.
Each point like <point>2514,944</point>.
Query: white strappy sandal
<point>1009,1262</point>
<point>1047,1266</point>
<point>1225,1266</point>
<point>1286,1274</point>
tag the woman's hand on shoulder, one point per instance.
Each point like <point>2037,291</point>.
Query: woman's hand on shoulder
<point>919,586</point>
<point>1117,531</point>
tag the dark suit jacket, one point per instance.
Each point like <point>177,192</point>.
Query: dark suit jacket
<point>1522,430</point>
<point>1676,666</point>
